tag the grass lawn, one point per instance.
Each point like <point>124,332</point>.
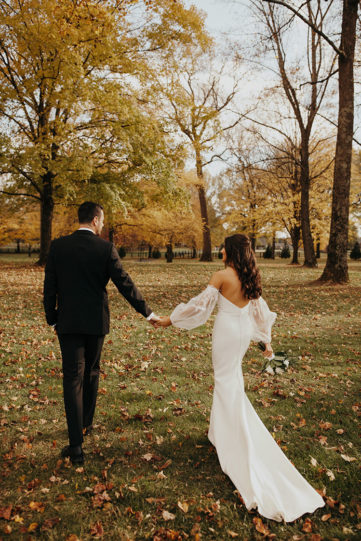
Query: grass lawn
<point>150,471</point>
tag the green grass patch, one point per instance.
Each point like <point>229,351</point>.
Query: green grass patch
<point>150,471</point>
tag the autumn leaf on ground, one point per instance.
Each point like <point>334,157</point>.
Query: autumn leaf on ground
<point>5,512</point>
<point>348,458</point>
<point>260,527</point>
<point>96,530</point>
<point>183,506</point>
<point>325,425</point>
<point>167,516</point>
<point>37,506</point>
<point>307,526</point>
<point>49,523</point>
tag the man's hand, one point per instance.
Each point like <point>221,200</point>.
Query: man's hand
<point>154,320</point>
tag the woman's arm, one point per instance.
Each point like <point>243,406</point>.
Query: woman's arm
<point>197,310</point>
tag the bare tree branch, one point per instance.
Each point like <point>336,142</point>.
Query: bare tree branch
<point>311,25</point>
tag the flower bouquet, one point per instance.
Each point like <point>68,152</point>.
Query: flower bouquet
<point>277,364</point>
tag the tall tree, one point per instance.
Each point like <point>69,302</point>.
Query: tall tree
<point>305,97</point>
<point>66,95</point>
<point>336,269</point>
<point>196,102</point>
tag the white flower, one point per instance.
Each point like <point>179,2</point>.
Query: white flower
<point>286,362</point>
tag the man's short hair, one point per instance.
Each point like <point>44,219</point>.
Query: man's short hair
<point>87,211</point>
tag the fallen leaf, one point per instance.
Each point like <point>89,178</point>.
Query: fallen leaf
<point>49,523</point>
<point>348,458</point>
<point>5,512</point>
<point>167,516</point>
<point>37,506</point>
<point>307,526</point>
<point>166,464</point>
<point>32,527</point>
<point>183,506</point>
<point>325,425</point>
<point>96,530</point>
<point>260,527</point>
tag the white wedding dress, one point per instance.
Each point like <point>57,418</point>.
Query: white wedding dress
<point>247,452</point>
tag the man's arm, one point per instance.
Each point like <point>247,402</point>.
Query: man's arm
<point>50,289</point>
<point>126,286</point>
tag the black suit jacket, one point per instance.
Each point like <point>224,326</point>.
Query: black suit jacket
<point>78,269</point>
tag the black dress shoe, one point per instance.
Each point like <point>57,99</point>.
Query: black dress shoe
<point>75,454</point>
<point>87,430</point>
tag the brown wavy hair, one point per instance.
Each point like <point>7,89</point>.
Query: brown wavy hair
<point>240,256</point>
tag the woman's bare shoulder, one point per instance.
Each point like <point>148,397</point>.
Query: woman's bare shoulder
<point>218,279</point>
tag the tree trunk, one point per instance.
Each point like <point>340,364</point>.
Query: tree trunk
<point>253,235</point>
<point>18,246</point>
<point>295,233</point>
<point>273,247</point>
<point>46,218</point>
<point>169,253</point>
<point>207,244</point>
<point>194,251</point>
<point>336,269</point>
<point>150,248</point>
<point>309,252</point>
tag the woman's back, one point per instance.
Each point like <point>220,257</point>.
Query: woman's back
<point>229,285</point>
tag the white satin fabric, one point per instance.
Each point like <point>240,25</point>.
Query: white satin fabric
<point>247,453</point>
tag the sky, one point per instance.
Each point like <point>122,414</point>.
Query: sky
<point>224,15</point>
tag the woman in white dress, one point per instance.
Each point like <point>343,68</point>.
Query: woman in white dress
<point>247,453</point>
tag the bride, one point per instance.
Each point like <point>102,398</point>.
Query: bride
<point>247,453</point>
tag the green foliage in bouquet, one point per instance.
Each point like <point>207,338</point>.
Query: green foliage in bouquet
<point>277,364</point>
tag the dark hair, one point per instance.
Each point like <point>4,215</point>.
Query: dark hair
<point>87,211</point>
<point>240,256</point>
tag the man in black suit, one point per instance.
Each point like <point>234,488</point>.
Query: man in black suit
<point>78,269</point>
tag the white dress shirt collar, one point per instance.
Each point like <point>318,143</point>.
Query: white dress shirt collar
<point>86,229</point>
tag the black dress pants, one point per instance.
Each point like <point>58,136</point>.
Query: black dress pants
<point>81,367</point>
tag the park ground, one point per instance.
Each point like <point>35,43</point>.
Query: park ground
<point>150,471</point>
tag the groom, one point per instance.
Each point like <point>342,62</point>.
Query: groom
<point>78,269</point>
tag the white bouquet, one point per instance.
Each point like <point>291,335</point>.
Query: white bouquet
<point>277,364</point>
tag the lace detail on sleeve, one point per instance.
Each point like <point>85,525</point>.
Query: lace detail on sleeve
<point>196,311</point>
<point>262,320</point>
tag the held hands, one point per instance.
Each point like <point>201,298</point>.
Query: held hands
<point>164,321</point>
<point>160,321</point>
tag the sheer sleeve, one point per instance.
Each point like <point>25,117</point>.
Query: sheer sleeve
<point>196,311</point>
<point>262,320</point>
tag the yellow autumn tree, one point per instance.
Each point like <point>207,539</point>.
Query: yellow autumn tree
<point>69,99</point>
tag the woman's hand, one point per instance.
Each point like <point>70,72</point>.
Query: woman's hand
<point>164,321</point>
<point>268,352</point>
